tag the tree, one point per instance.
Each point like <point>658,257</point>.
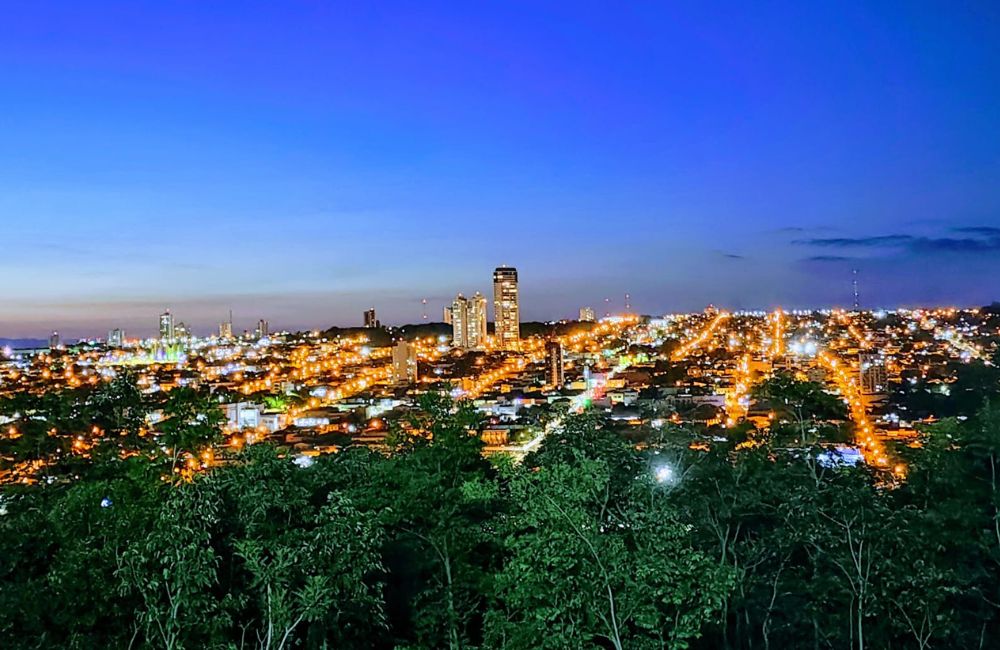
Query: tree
<point>841,526</point>
<point>192,422</point>
<point>593,562</point>
<point>171,572</point>
<point>949,502</point>
<point>304,558</point>
<point>118,407</point>
<point>802,403</point>
<point>437,498</point>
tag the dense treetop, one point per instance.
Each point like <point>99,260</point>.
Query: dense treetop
<point>592,541</point>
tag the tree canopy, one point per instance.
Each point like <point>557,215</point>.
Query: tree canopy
<point>589,542</point>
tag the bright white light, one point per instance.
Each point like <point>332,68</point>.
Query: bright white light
<point>664,474</point>
<point>803,347</point>
<point>106,502</point>
<point>303,461</point>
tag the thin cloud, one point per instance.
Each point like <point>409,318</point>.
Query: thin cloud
<point>987,240</point>
<point>985,231</point>
<point>828,258</point>
<point>954,245</point>
<point>801,230</point>
<point>857,242</point>
<point>731,256</point>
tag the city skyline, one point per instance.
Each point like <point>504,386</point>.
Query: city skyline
<point>502,325</point>
<point>141,326</point>
<point>681,154</point>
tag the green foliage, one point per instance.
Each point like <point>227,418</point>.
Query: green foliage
<point>171,572</point>
<point>803,410</point>
<point>590,542</point>
<point>438,499</point>
<point>594,561</point>
<point>191,423</point>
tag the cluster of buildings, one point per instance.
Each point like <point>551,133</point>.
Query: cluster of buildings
<point>468,316</point>
<point>172,331</point>
<point>311,391</point>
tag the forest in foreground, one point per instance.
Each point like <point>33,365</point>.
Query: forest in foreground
<point>591,542</point>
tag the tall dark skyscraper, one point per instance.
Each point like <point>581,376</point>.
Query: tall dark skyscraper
<point>506,308</point>
<point>371,320</point>
<point>554,373</point>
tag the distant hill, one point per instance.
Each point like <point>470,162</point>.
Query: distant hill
<point>560,328</point>
<point>20,344</point>
<point>421,330</point>
<point>382,336</point>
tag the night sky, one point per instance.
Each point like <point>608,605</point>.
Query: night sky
<point>302,161</point>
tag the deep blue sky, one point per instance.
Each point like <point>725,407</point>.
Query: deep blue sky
<point>300,161</point>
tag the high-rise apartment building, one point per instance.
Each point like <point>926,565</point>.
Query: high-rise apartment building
<point>447,315</point>
<point>478,314</point>
<point>182,331</point>
<point>371,320</point>
<point>54,341</point>
<point>468,322</point>
<point>226,327</point>
<point>554,369</point>
<point>263,329</point>
<point>587,314</point>
<point>116,338</point>
<point>873,375</point>
<point>404,363</point>
<point>167,326</point>
<point>506,308</point>
<point>460,322</point>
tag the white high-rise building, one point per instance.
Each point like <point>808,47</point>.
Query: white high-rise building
<point>506,308</point>
<point>404,363</point>
<point>587,314</point>
<point>116,338</point>
<point>460,322</point>
<point>478,314</point>
<point>468,322</point>
<point>167,326</point>
<point>226,327</point>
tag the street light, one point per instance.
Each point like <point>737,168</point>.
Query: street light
<point>665,474</point>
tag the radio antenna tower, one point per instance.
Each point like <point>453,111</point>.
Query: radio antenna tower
<point>628,304</point>
<point>423,306</point>
<point>854,283</point>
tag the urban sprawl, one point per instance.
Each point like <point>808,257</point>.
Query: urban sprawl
<point>313,393</point>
